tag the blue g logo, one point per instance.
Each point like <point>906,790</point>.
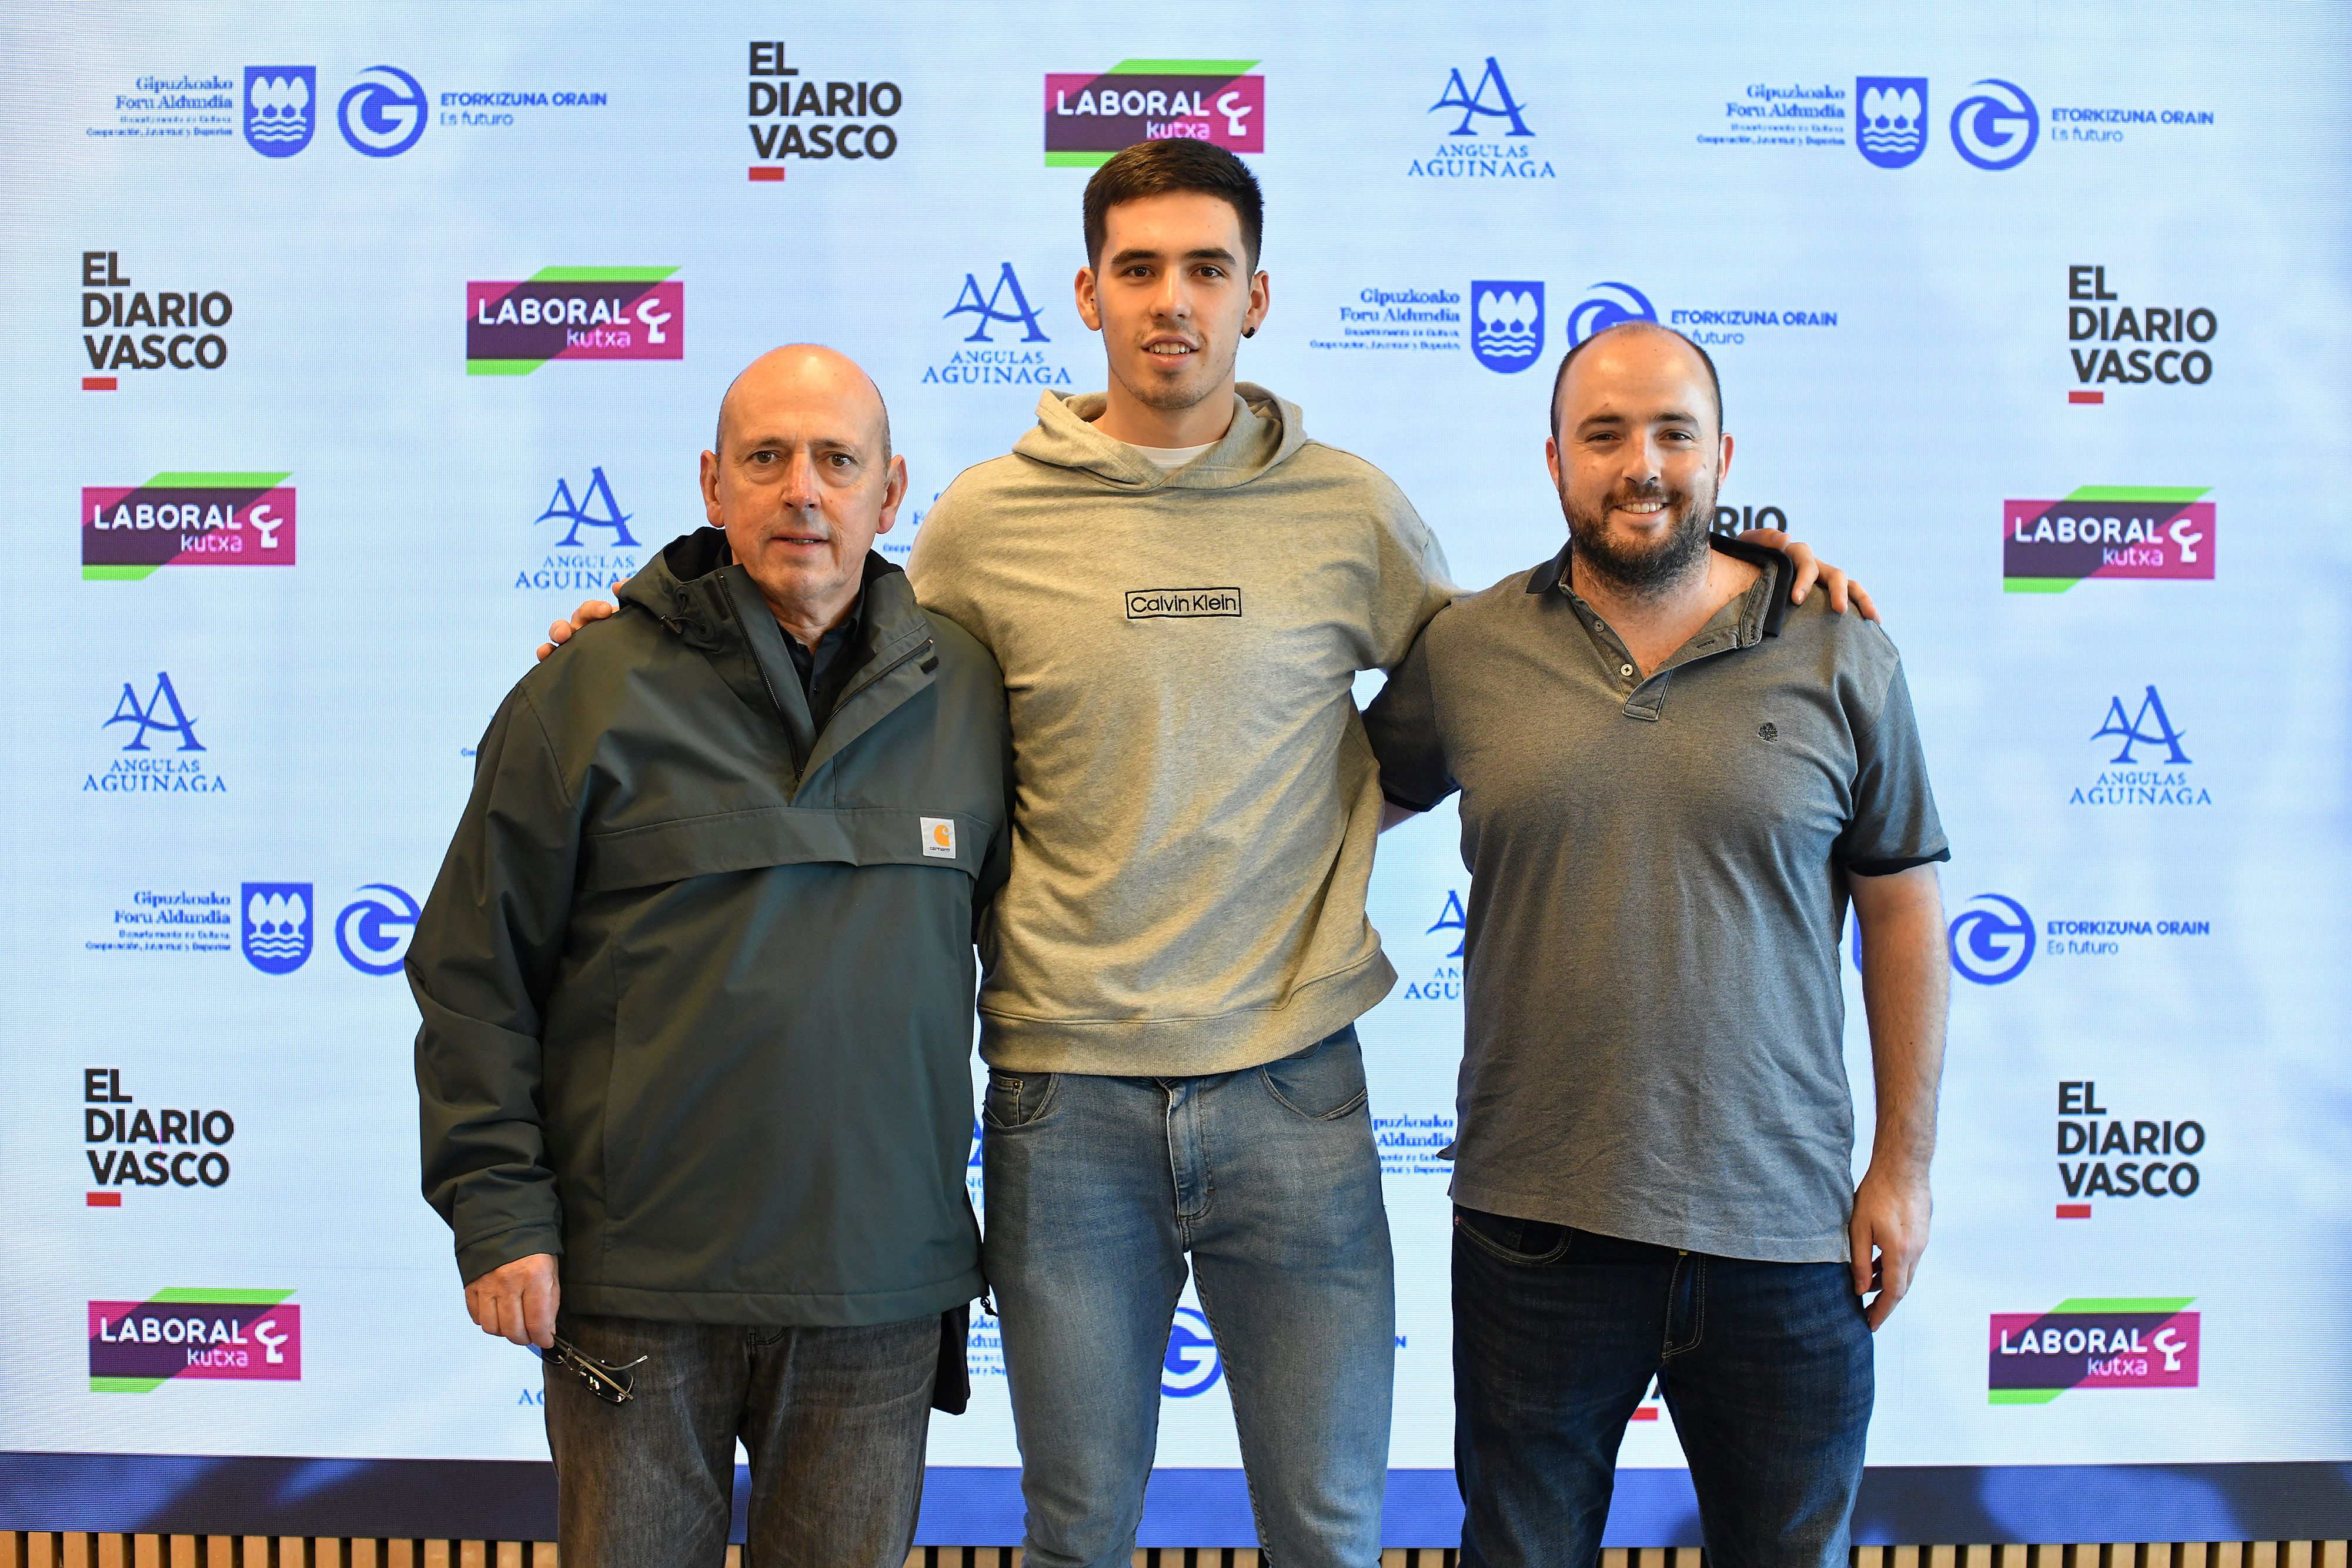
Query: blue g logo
<point>373,934</point>
<point>1191,1365</point>
<point>1995,130</point>
<point>383,113</point>
<point>1992,939</point>
<point>1610,304</point>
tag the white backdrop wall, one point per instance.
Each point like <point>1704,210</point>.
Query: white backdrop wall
<point>1982,287</point>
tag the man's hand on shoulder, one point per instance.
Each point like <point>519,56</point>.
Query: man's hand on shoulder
<point>517,1299</point>
<point>594,611</point>
<point>1890,1217</point>
<point>1842,590</point>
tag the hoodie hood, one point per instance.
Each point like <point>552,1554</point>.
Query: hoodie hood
<point>1265,432</point>
<point>675,587</point>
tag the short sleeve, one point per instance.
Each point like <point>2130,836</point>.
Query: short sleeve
<point>1412,583</point>
<point>1894,826</point>
<point>1401,725</point>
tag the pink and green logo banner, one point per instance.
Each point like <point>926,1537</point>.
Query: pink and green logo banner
<point>2122,1342</point>
<point>136,1347</point>
<point>2111,532</point>
<point>1089,115</point>
<point>129,531</point>
<point>574,313</point>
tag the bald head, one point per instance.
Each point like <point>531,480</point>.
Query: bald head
<point>801,374</point>
<point>1650,332</point>
<point>801,478</point>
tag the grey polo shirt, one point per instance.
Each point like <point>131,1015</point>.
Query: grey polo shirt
<point>1654,1043</point>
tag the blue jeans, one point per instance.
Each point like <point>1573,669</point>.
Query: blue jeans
<point>1098,1188</point>
<point>1557,1332</point>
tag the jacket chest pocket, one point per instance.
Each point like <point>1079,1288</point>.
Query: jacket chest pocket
<point>781,835</point>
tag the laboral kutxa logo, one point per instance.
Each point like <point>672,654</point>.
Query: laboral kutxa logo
<point>128,531</point>
<point>1486,134</point>
<point>1007,343</point>
<point>1091,115</point>
<point>574,313</point>
<point>2119,1341</point>
<point>2112,532</point>
<point>136,1347</point>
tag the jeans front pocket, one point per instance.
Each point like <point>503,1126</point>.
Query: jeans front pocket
<point>1511,1238</point>
<point>1323,1082</point>
<point>1017,1099</point>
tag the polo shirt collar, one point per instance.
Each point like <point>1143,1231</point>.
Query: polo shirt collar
<point>1762,608</point>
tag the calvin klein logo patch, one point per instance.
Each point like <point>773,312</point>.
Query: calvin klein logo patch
<point>1162,603</point>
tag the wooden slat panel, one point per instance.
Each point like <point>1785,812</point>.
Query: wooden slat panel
<point>2011,1557</point>
<point>473,1555</point>
<point>2332,1553</point>
<point>436,1554</point>
<point>2298,1554</point>
<point>1615,1557</point>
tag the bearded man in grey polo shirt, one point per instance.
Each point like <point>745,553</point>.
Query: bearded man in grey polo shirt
<point>1672,784</point>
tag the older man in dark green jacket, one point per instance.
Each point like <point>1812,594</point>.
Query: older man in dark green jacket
<point>696,983</point>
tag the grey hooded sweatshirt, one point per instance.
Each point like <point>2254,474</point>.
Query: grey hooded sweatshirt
<point>1195,803</point>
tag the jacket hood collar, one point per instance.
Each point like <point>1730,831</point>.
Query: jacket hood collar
<point>1265,430</point>
<point>683,589</point>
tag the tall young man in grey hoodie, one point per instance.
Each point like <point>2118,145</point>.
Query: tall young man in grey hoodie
<point>1180,588</point>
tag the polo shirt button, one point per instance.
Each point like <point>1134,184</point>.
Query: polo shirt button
<point>1625,669</point>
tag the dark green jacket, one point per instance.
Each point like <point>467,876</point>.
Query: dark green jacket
<point>699,1020</point>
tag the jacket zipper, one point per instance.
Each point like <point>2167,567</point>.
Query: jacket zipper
<point>765,685</point>
<point>842,700</point>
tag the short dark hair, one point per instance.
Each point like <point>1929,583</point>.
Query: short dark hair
<point>1559,379</point>
<point>1178,163</point>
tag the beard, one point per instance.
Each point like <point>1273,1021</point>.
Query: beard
<point>1645,570</point>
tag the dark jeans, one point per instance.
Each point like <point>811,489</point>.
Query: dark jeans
<point>1766,1368</point>
<point>834,1419</point>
